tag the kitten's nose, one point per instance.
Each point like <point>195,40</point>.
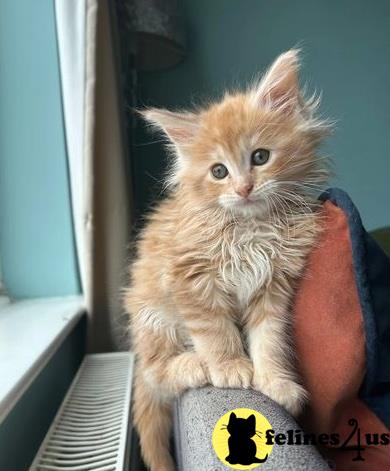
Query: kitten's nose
<point>244,190</point>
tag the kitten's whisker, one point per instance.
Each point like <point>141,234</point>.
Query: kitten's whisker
<point>153,177</point>
<point>295,199</point>
<point>285,167</point>
<point>282,205</point>
<point>142,144</point>
<point>286,162</point>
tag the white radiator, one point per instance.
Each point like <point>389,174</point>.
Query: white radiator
<point>91,428</point>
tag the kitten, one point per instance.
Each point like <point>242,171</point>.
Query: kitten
<point>218,260</point>
<point>242,449</point>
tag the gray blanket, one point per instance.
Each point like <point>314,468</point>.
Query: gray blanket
<point>197,412</point>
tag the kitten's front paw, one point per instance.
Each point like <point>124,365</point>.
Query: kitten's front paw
<point>198,375</point>
<point>286,392</point>
<point>235,373</point>
<point>191,370</point>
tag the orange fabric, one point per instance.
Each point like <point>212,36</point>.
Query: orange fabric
<point>330,344</point>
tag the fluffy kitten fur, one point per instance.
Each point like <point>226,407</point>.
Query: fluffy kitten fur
<point>218,260</point>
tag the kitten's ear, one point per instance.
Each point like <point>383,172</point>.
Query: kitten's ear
<point>232,417</point>
<point>179,127</point>
<point>251,420</point>
<point>279,88</point>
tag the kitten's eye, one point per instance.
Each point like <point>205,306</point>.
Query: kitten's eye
<point>219,171</point>
<point>260,157</point>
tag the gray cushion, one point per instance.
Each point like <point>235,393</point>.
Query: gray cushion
<point>197,412</point>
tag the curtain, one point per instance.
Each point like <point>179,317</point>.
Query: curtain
<point>97,157</point>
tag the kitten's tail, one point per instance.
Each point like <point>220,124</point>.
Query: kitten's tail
<point>153,421</point>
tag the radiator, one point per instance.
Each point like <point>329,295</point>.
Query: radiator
<point>91,429</point>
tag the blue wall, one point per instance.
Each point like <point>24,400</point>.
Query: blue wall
<point>346,47</point>
<point>36,240</point>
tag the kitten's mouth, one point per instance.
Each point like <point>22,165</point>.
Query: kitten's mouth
<point>245,202</point>
<point>249,206</point>
<point>245,206</point>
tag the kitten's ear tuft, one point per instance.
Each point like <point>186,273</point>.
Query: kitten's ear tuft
<point>180,127</point>
<point>279,88</point>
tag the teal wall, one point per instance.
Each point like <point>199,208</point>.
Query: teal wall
<point>346,46</point>
<point>36,240</point>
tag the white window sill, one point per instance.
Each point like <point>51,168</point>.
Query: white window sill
<point>30,332</point>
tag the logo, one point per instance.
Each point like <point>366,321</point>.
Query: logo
<point>244,439</point>
<point>239,439</point>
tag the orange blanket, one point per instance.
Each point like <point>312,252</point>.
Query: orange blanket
<point>331,345</point>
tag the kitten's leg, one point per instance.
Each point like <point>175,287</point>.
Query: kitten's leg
<point>218,342</point>
<point>163,371</point>
<point>270,347</point>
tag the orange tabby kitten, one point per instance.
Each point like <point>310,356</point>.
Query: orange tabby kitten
<point>218,260</point>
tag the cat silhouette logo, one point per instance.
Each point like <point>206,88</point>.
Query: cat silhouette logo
<point>239,439</point>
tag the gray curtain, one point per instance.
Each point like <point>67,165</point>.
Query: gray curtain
<point>98,155</point>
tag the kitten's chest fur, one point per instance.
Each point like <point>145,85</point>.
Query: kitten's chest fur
<point>249,253</point>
